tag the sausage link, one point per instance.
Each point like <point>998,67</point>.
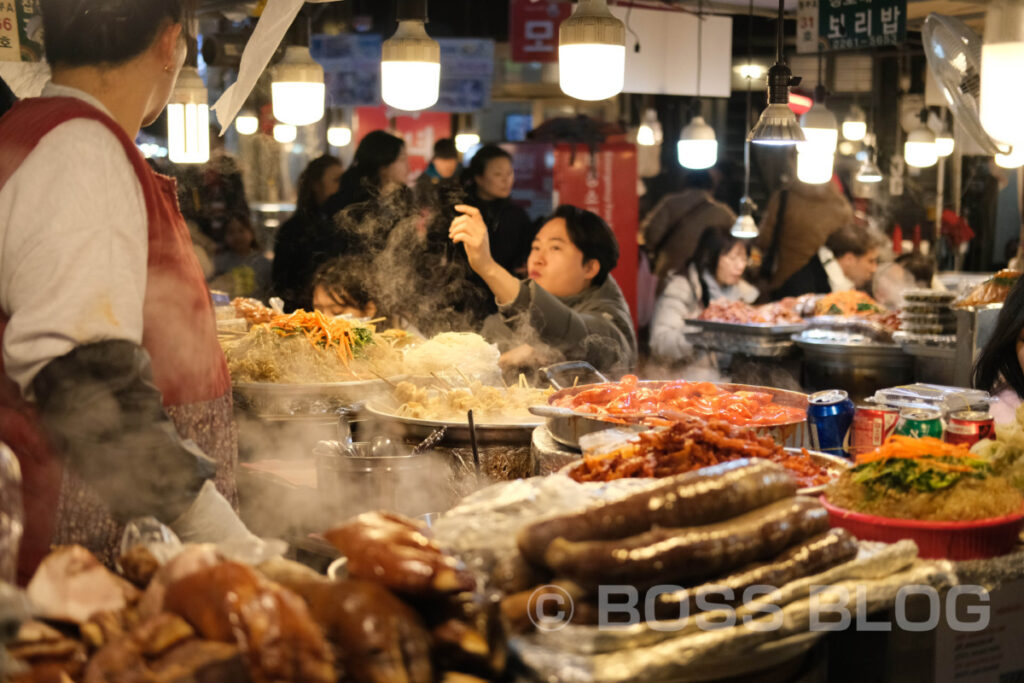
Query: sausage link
<point>707,495</point>
<point>672,555</point>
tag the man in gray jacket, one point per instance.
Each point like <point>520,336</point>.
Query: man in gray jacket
<point>569,308</point>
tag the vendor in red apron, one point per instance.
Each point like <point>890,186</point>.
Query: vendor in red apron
<point>114,393</point>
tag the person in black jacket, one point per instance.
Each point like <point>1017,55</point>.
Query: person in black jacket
<point>848,261</point>
<point>509,229</point>
<point>309,237</point>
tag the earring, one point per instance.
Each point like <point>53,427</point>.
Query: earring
<point>167,68</point>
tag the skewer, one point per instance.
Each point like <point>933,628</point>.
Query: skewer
<point>472,443</point>
<point>442,380</point>
<point>382,377</point>
<point>468,381</point>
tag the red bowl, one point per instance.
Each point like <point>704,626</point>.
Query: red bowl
<point>978,539</point>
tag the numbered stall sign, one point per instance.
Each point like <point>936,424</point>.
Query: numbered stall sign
<point>21,31</point>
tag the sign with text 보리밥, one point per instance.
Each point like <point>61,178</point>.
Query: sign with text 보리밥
<point>351,63</point>
<point>855,24</point>
<point>21,31</point>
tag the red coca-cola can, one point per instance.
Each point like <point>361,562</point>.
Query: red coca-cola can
<point>968,427</point>
<point>872,425</point>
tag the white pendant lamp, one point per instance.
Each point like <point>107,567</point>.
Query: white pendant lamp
<point>285,132</point>
<point>339,135</point>
<point>649,133</point>
<point>919,150</point>
<point>821,132</point>
<point>297,91</point>
<point>697,147</point>
<point>247,124</point>
<point>1002,57</point>
<point>188,119</point>
<point>466,141</point>
<point>778,124</point>
<point>591,52</point>
<point>855,125</point>
<point>410,69</point>
<point>944,143</point>
<point>745,227</point>
<point>1014,158</point>
<point>813,166</point>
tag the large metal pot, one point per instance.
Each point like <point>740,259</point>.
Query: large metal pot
<point>860,368</point>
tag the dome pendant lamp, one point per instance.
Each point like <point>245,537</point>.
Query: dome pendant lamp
<point>591,52</point>
<point>297,90</point>
<point>745,226</point>
<point>410,69</point>
<point>698,147</point>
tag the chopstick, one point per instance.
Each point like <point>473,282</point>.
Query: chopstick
<point>382,377</point>
<point>472,442</point>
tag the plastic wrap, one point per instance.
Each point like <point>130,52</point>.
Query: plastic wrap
<point>12,514</point>
<point>864,585</point>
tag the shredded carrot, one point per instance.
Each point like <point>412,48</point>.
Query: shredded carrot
<point>319,331</point>
<point>902,447</point>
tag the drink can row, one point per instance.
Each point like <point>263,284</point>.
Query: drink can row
<point>872,425</point>
<point>968,427</point>
<point>829,416</point>
<point>920,422</point>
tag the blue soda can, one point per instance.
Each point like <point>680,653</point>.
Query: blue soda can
<point>830,415</point>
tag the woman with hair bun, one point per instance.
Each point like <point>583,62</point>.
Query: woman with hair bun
<point>114,395</point>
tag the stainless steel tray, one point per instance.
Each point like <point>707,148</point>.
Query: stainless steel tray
<point>833,463</point>
<point>458,431</point>
<point>270,399</point>
<point>749,329</point>
<point>744,344</point>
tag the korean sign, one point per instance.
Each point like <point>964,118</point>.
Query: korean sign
<point>533,29</point>
<point>807,26</point>
<point>854,24</point>
<point>21,31</point>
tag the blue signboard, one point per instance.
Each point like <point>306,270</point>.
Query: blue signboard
<point>351,64</point>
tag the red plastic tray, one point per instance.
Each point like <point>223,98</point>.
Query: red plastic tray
<point>979,539</point>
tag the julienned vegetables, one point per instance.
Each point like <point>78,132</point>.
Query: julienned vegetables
<point>922,465</point>
<point>343,335</point>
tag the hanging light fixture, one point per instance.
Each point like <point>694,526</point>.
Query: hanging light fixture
<point>247,123</point>
<point>410,70</point>
<point>1014,158</point>
<point>188,116</point>
<point>919,149</point>
<point>855,125</point>
<point>698,147</point>
<point>285,132</point>
<point>778,124</point>
<point>297,90</point>
<point>1002,54</point>
<point>649,133</point>
<point>339,132</point>
<point>813,167</point>
<point>944,143</point>
<point>821,134</point>
<point>745,227</point>
<point>869,171</point>
<point>591,52</point>
<point>467,137</point>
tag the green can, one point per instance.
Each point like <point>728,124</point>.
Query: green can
<point>920,422</point>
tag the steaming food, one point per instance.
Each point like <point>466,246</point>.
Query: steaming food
<point>310,348</point>
<point>489,404</point>
<point>690,445</point>
<point>629,400</point>
<point>786,310</point>
<point>925,479</point>
<point>471,354</point>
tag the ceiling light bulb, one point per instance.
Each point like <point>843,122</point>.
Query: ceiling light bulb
<point>751,71</point>
<point>1013,159</point>
<point>466,141</point>
<point>410,69</point>
<point>591,52</point>
<point>1002,54</point>
<point>697,147</point>
<point>869,172</point>
<point>777,124</point>
<point>246,124</point>
<point>855,125</point>
<point>944,144</point>
<point>649,133</point>
<point>339,136</point>
<point>188,119</point>
<point>813,166</point>
<point>297,91</point>
<point>919,150</point>
<point>820,129</point>
<point>285,132</point>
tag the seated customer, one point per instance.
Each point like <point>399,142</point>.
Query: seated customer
<point>848,261</point>
<point>714,272</point>
<point>339,288</point>
<point>570,307</point>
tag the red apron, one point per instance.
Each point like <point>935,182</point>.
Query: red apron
<point>179,332</point>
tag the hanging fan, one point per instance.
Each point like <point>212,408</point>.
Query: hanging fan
<point>954,57</point>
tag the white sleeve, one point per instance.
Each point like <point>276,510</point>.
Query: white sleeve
<point>74,249</point>
<point>677,303</point>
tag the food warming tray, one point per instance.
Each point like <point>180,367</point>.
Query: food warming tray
<point>455,430</point>
<point>272,399</point>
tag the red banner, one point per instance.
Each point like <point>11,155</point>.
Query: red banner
<point>605,183</point>
<point>533,29</point>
